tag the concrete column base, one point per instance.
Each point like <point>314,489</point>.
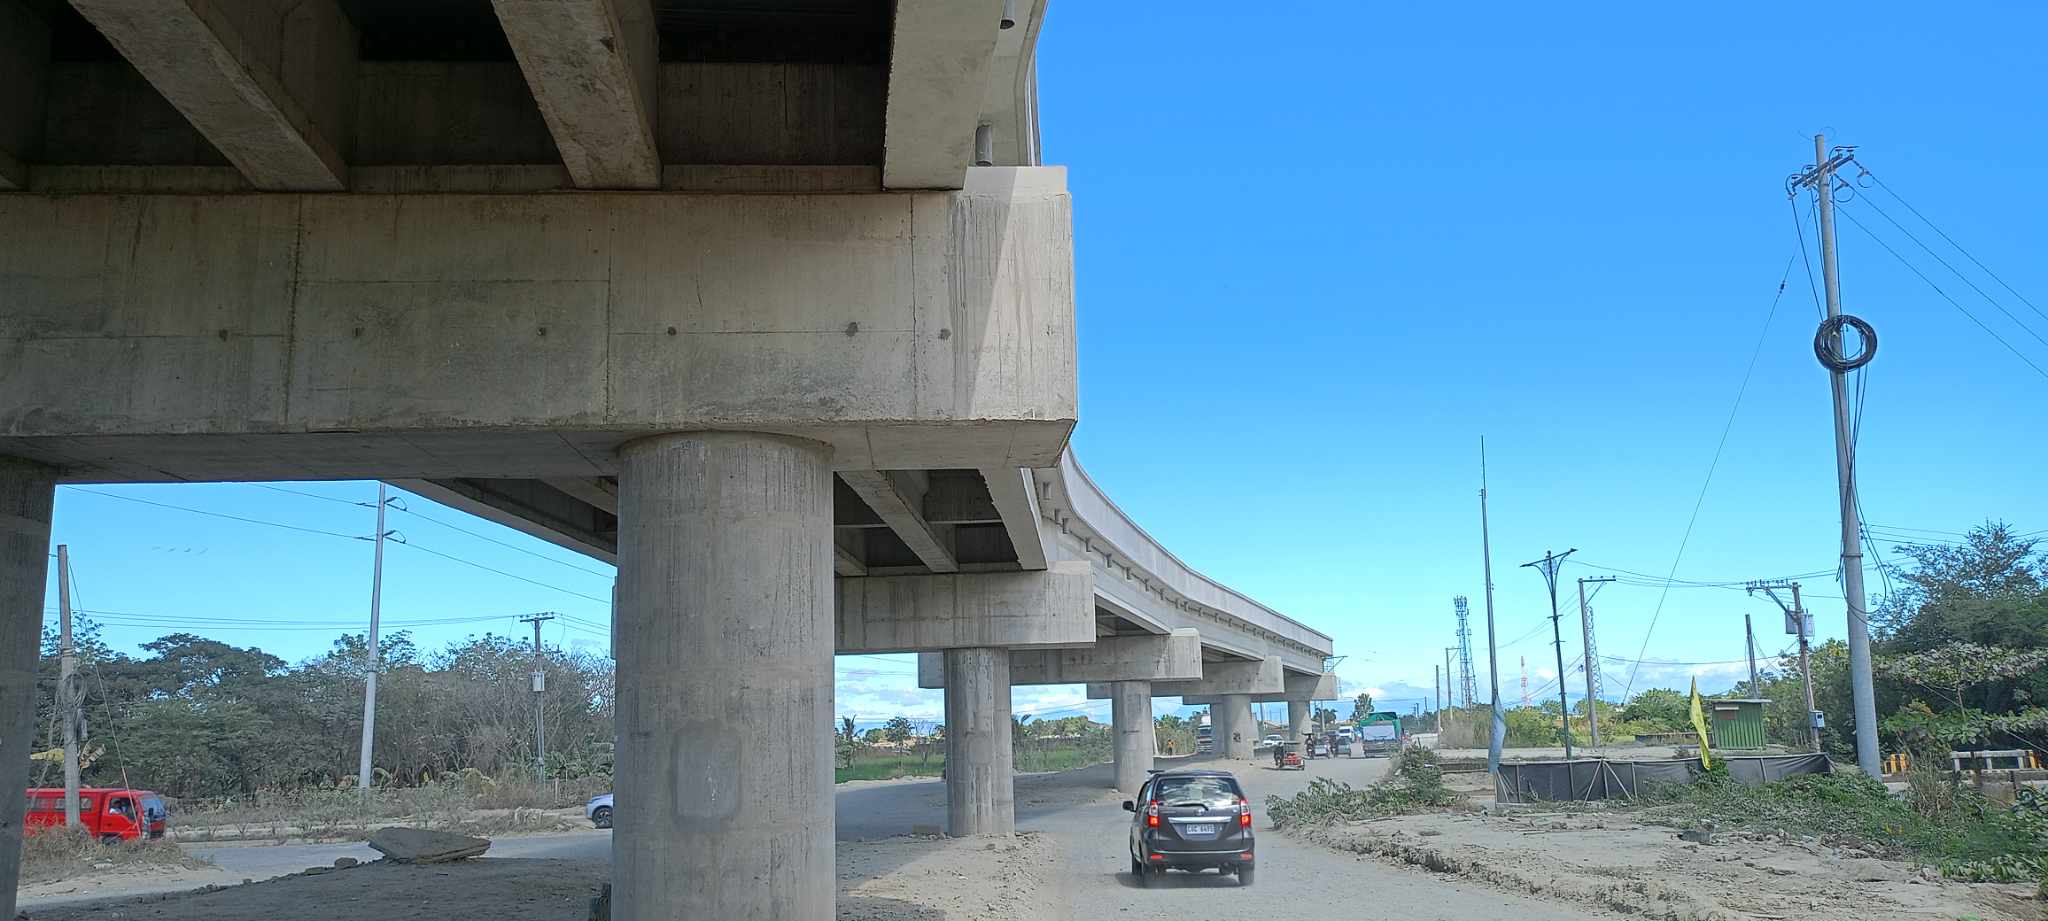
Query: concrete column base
<point>724,640</point>
<point>1297,720</point>
<point>26,493</point>
<point>980,796</point>
<point>1136,743</point>
<point>1235,731</point>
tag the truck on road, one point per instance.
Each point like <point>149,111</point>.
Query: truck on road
<point>1380,733</point>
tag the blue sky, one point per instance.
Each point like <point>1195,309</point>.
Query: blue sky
<point>1323,249</point>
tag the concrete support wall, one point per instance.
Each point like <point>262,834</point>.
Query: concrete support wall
<point>299,336</point>
<point>967,610</point>
<point>26,493</point>
<point>1130,717</point>
<point>980,798</point>
<point>1231,719</point>
<point>1297,720</point>
<point>724,644</point>
<point>1219,678</point>
<point>1110,659</point>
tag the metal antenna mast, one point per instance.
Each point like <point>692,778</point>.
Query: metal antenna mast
<point>1465,677</point>
<point>1592,660</point>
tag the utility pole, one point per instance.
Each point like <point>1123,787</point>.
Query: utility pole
<point>1492,651</point>
<point>1797,621</point>
<point>1820,179</point>
<point>1592,661</point>
<point>1525,682</point>
<point>1439,687</point>
<point>1548,566</point>
<point>373,665</point>
<point>67,690</point>
<point>1756,688</point>
<point>1450,693</point>
<point>540,687</point>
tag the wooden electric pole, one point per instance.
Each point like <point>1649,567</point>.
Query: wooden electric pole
<point>67,686</point>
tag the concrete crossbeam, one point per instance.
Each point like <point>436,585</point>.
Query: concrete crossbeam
<point>270,83</point>
<point>592,66</point>
<point>1113,658</point>
<point>24,76</point>
<point>1232,677</point>
<point>939,62</point>
<point>1017,502</point>
<point>435,336</point>
<point>882,614</point>
<point>897,497</point>
<point>598,492</point>
<point>1295,687</point>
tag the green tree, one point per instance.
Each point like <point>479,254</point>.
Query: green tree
<point>1659,710</point>
<point>1361,707</point>
<point>897,729</point>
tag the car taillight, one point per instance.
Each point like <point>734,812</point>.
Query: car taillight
<point>1152,814</point>
<point>1244,813</point>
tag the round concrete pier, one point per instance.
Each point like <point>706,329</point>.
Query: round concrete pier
<point>980,798</point>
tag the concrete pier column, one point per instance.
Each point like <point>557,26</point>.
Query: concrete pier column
<point>980,796</point>
<point>26,492</point>
<point>1235,731</point>
<point>1297,719</point>
<point>724,641</point>
<point>1130,718</point>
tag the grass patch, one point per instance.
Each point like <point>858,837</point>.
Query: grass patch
<point>1964,834</point>
<point>52,854</point>
<point>1416,784</point>
<point>889,766</point>
<point>469,803</point>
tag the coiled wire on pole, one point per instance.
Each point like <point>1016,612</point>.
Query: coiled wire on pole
<point>1826,338</point>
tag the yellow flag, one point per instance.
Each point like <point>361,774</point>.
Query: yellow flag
<point>1699,722</point>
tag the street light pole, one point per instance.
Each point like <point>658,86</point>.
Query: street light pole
<point>1549,566</point>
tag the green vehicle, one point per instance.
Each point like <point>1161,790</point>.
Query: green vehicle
<point>1380,733</point>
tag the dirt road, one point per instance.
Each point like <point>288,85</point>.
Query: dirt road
<point>1077,856</point>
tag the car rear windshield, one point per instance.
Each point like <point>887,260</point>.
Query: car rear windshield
<point>1204,791</point>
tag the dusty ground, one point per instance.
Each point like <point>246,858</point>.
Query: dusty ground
<point>898,879</point>
<point>1612,861</point>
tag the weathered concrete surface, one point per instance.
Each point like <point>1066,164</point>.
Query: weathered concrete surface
<point>270,83</point>
<point>898,497</point>
<point>400,337</point>
<point>591,65</point>
<point>980,799</point>
<point>1231,716</point>
<point>724,645</point>
<point>938,72</point>
<point>1293,687</point>
<point>963,610</point>
<point>1218,678</point>
<point>1111,659</point>
<point>420,845</point>
<point>24,75</point>
<point>26,493</point>
<point>1130,719</point>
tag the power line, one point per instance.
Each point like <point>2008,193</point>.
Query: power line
<point>501,572</point>
<point>1726,427</point>
<point>180,508</point>
<point>1965,311</point>
<point>452,527</point>
<point>1952,269</point>
<point>1951,241</point>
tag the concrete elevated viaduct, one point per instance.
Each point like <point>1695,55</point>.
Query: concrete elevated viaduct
<point>769,303</point>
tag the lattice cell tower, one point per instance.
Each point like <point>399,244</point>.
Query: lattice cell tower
<point>1464,649</point>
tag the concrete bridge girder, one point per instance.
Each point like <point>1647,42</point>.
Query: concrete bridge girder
<point>1177,656</point>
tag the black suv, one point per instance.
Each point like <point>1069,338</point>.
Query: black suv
<point>1191,820</point>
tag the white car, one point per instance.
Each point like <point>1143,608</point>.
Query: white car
<point>1268,742</point>
<point>599,811</point>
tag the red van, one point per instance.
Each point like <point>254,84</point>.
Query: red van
<point>109,814</point>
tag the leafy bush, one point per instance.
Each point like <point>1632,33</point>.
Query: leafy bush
<point>1416,783</point>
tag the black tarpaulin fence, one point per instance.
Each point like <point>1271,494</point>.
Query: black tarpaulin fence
<point>1600,778</point>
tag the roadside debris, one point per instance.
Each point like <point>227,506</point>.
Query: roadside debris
<point>419,845</point>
